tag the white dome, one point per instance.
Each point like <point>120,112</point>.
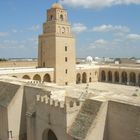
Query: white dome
<point>89,59</point>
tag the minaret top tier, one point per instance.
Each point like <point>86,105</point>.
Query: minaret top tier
<point>57,14</point>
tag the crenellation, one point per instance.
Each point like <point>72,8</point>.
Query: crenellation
<point>70,105</point>
<point>73,104</point>
<point>38,98</point>
<point>50,101</point>
<point>43,98</point>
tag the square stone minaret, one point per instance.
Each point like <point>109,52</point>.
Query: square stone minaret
<point>57,46</point>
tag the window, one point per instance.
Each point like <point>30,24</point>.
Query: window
<point>43,64</point>
<point>66,83</point>
<point>66,59</point>
<point>63,30</point>
<point>51,17</point>
<point>66,48</point>
<point>66,71</point>
<point>61,17</point>
<point>10,135</point>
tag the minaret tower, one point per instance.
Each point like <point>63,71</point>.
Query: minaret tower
<point>57,46</point>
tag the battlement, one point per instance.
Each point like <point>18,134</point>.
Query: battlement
<point>69,103</point>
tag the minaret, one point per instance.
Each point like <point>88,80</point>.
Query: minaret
<point>57,46</point>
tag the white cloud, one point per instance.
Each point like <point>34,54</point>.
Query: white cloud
<point>9,43</point>
<point>98,3</point>
<point>78,28</point>
<point>14,30</point>
<point>110,28</point>
<point>133,36</point>
<point>100,43</point>
<point>3,34</point>
<point>105,44</point>
<point>33,41</point>
<point>34,28</point>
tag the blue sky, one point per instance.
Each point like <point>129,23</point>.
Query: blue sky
<point>102,28</point>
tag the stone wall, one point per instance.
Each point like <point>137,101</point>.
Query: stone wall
<point>5,64</point>
<point>3,123</point>
<point>123,122</point>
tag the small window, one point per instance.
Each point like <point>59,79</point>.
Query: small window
<point>63,30</point>
<point>66,83</point>
<point>66,71</point>
<point>90,79</point>
<point>61,17</point>
<point>66,48</point>
<point>66,59</point>
<point>51,17</point>
<point>43,64</point>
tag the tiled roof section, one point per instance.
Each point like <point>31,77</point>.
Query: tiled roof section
<point>84,119</point>
<point>7,92</point>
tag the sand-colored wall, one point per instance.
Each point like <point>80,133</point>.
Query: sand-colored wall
<point>3,123</point>
<point>123,122</point>
<point>5,64</point>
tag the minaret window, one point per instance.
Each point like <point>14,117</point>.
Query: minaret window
<point>43,64</point>
<point>61,17</point>
<point>51,17</point>
<point>66,48</point>
<point>66,71</point>
<point>66,59</point>
<point>63,30</point>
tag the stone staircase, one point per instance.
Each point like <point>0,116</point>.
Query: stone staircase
<point>85,119</point>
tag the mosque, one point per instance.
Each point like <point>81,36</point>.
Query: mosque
<point>62,100</point>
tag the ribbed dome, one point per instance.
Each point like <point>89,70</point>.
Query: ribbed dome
<point>57,6</point>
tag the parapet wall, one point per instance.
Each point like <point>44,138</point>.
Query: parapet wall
<point>68,104</point>
<point>18,64</point>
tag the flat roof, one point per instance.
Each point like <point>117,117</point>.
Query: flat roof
<point>16,70</point>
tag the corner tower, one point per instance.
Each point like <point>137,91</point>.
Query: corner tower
<point>57,46</point>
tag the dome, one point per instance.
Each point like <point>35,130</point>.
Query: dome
<point>89,59</point>
<point>57,6</point>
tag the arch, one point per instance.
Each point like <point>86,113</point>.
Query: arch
<point>84,78</point>
<point>51,17</point>
<point>37,77</point>
<point>132,78</point>
<point>109,76</point>
<point>78,78</point>
<point>26,77</point>
<point>124,77</point>
<point>61,17</point>
<point>49,135</point>
<point>63,30</point>
<point>103,76</point>
<point>47,78</point>
<point>116,77</point>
